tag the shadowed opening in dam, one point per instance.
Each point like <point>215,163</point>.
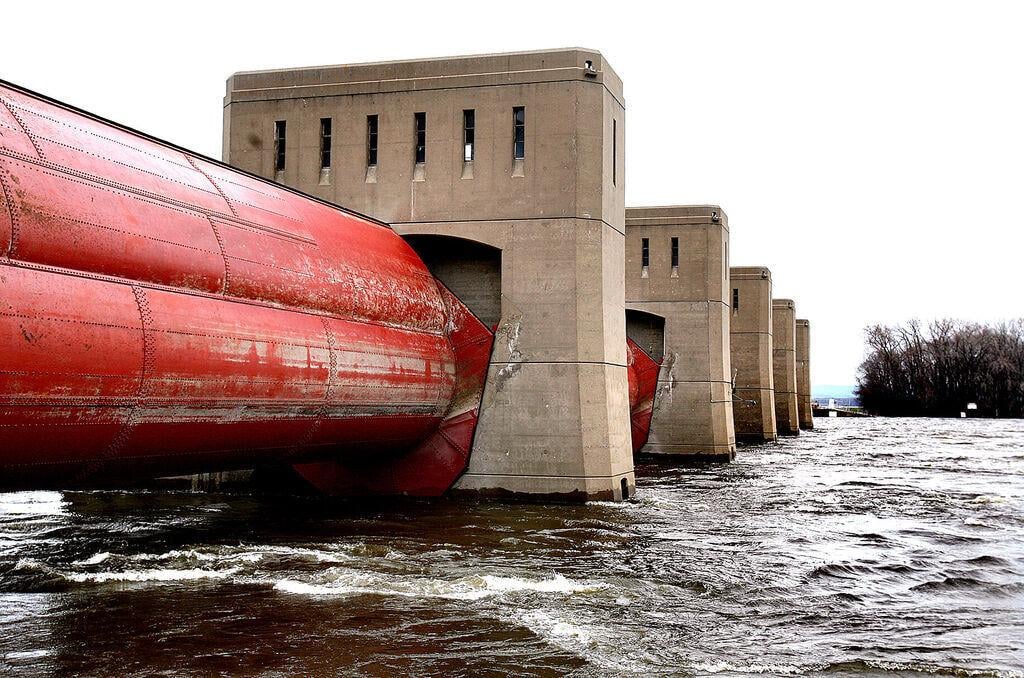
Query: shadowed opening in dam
<point>648,331</point>
<point>471,270</point>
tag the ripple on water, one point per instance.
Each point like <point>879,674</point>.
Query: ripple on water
<point>866,547</point>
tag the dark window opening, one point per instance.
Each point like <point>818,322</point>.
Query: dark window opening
<point>735,299</point>
<point>468,134</point>
<point>421,137</point>
<point>518,132</point>
<point>371,140</point>
<point>325,143</point>
<point>645,252</point>
<point>279,145</point>
<point>625,489</point>
<point>675,252</point>
<point>615,140</point>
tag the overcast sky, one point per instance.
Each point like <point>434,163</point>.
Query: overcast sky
<point>870,153</point>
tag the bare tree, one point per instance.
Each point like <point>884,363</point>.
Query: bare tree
<point>910,371</point>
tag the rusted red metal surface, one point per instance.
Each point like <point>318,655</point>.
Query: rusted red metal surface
<point>439,459</point>
<point>163,313</point>
<point>642,371</point>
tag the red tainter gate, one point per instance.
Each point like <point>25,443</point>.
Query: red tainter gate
<point>642,371</point>
<point>163,313</point>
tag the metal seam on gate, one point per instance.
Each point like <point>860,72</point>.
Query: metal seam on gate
<point>213,183</point>
<point>114,229</point>
<point>223,254</point>
<point>120,439</point>
<point>24,128</point>
<point>8,201</point>
<point>321,411</point>
<point>81,177</point>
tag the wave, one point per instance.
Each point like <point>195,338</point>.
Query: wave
<point>94,559</point>
<point>148,575</point>
<point>952,584</point>
<point>467,588</point>
<point>855,666</point>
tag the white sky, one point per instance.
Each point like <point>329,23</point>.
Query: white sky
<point>870,153</point>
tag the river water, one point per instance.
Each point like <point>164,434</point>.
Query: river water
<point>868,546</point>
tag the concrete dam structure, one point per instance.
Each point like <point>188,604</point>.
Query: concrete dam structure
<point>787,418</point>
<point>676,280</point>
<point>505,172</point>
<point>501,325</point>
<point>803,373</point>
<point>752,349</point>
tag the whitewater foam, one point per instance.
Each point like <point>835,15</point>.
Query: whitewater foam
<point>468,588</point>
<point>147,575</point>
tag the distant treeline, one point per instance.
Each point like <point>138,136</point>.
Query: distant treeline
<point>936,371</point>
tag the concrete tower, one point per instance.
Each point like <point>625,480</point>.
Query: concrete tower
<point>803,373</point>
<point>677,275</point>
<point>751,349</point>
<point>506,173</point>
<point>784,356</point>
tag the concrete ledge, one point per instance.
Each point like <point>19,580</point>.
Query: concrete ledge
<point>674,215</point>
<point>513,68</point>
<point>750,273</point>
<point>545,488</point>
<point>756,439</point>
<point>690,452</point>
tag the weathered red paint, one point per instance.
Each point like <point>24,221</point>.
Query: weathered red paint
<point>429,469</point>
<point>163,313</point>
<point>642,371</point>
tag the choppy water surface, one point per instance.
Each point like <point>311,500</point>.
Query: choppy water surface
<point>866,546</point>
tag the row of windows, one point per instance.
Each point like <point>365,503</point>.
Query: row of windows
<point>645,252</point>
<point>419,138</point>
<point>645,262</point>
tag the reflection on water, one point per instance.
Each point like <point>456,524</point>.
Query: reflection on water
<point>866,546</point>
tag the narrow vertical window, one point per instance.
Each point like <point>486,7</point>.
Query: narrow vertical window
<point>615,154</point>
<point>325,143</point>
<point>468,134</point>
<point>279,145</point>
<point>645,252</point>
<point>421,137</point>
<point>675,252</point>
<point>518,132</point>
<point>735,299</point>
<point>371,141</point>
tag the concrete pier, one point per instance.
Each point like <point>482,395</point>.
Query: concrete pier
<point>751,352</point>
<point>787,417</point>
<point>803,373</point>
<point>676,287</point>
<point>505,172</point>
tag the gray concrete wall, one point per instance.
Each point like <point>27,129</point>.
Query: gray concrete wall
<point>693,404</point>
<point>555,413</point>
<point>751,351</point>
<point>784,355</point>
<point>803,373</point>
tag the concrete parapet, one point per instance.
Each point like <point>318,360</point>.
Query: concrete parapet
<point>676,270</point>
<point>784,359</point>
<point>803,373</point>
<point>751,352</point>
